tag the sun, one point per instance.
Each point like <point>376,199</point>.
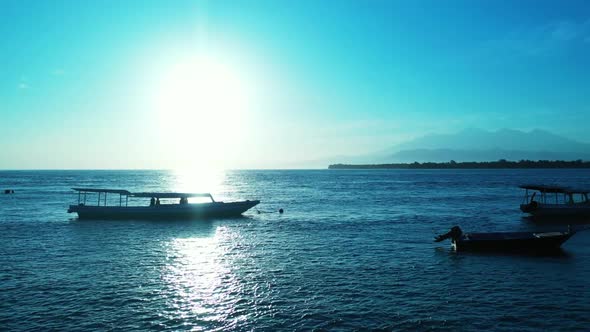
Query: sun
<point>200,104</point>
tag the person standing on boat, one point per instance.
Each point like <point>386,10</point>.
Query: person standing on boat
<point>158,201</point>
<point>152,201</point>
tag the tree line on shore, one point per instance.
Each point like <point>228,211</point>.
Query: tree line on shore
<point>502,163</point>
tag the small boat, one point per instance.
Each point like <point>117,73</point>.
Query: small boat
<point>505,241</point>
<point>108,209</point>
<point>555,201</point>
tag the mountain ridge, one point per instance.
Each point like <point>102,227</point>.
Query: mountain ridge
<point>477,145</point>
<point>506,139</point>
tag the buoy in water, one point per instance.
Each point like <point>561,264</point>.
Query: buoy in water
<point>281,211</point>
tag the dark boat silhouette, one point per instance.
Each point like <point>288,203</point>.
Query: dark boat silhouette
<point>154,210</point>
<point>505,241</point>
<point>555,201</point>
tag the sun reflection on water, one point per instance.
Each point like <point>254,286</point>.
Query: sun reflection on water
<point>200,283</point>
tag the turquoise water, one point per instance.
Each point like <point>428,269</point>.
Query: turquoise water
<point>352,251</point>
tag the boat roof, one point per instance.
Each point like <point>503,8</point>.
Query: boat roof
<point>555,189</point>
<point>110,191</point>
<point>170,195</point>
<point>143,194</point>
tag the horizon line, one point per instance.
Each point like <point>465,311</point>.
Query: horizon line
<point>150,169</point>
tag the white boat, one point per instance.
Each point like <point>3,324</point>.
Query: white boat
<point>555,201</point>
<point>180,208</point>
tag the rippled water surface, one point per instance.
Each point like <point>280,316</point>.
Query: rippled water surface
<point>352,251</point>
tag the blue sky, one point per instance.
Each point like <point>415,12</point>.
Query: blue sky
<point>104,84</point>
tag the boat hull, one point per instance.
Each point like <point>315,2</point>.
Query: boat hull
<point>511,241</point>
<point>552,211</point>
<point>166,211</point>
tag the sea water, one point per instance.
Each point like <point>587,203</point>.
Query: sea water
<point>353,251</point>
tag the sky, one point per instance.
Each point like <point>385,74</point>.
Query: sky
<point>278,84</point>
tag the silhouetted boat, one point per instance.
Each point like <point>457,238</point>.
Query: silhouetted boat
<point>505,241</point>
<point>183,209</point>
<point>556,201</point>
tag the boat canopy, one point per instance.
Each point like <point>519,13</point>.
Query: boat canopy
<point>110,191</point>
<point>554,189</point>
<point>144,194</point>
<point>171,195</point>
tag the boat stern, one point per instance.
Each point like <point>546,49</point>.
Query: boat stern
<point>529,208</point>
<point>73,208</point>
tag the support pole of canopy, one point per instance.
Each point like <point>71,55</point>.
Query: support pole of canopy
<point>105,199</point>
<point>84,198</point>
<point>79,193</point>
<point>99,198</point>
<point>126,200</point>
<point>120,200</point>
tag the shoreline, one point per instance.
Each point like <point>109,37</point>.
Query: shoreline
<point>500,164</point>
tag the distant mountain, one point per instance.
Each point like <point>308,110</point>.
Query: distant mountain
<point>505,139</point>
<point>481,145</point>
<point>472,145</point>
<point>445,155</point>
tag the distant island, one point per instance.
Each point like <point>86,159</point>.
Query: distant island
<point>502,163</point>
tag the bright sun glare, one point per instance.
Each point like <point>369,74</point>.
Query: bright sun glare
<point>200,104</point>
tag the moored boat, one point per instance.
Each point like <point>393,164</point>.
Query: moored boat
<point>155,209</point>
<point>505,241</point>
<point>548,201</point>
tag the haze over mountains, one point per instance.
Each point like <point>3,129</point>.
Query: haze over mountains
<point>481,145</point>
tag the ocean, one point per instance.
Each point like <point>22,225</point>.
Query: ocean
<point>353,250</point>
